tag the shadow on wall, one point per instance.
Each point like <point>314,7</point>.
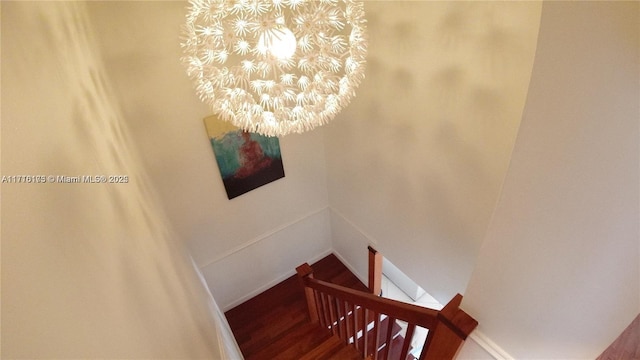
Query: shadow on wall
<point>430,120</point>
<point>431,130</point>
<point>98,250</point>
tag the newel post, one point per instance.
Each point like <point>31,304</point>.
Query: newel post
<point>375,271</point>
<point>305,271</point>
<point>452,329</point>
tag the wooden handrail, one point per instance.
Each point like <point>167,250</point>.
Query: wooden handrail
<point>419,315</point>
<point>357,317</point>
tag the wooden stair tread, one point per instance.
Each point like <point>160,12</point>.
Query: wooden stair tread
<point>346,353</point>
<point>307,341</point>
<point>299,340</point>
<point>328,348</point>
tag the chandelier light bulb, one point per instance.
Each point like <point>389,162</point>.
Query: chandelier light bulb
<point>280,43</point>
<point>275,67</point>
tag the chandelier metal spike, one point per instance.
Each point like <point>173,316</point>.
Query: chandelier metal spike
<point>275,67</point>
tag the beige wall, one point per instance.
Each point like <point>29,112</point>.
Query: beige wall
<point>416,162</point>
<point>88,270</point>
<point>557,277</point>
<point>140,42</point>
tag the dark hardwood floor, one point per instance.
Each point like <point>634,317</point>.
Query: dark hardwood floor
<point>275,324</point>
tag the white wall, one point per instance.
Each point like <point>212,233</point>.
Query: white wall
<point>263,262</point>
<point>88,270</point>
<point>557,277</point>
<point>140,43</point>
<point>416,162</point>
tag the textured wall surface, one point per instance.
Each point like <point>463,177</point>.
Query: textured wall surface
<point>140,42</point>
<point>417,160</point>
<point>557,277</point>
<point>89,270</point>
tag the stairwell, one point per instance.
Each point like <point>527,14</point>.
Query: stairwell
<point>276,324</point>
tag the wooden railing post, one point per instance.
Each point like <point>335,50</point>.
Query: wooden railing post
<point>305,271</point>
<point>453,327</point>
<point>375,271</point>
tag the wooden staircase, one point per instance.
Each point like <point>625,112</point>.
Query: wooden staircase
<point>306,341</point>
<point>278,324</point>
<point>275,324</point>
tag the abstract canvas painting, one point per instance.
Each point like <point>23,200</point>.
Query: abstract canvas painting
<point>246,160</point>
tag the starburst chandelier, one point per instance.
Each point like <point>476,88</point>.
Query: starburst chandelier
<point>275,67</point>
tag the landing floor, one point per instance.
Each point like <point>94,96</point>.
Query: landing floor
<point>282,308</point>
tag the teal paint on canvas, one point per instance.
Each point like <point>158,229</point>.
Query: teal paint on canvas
<point>226,150</point>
